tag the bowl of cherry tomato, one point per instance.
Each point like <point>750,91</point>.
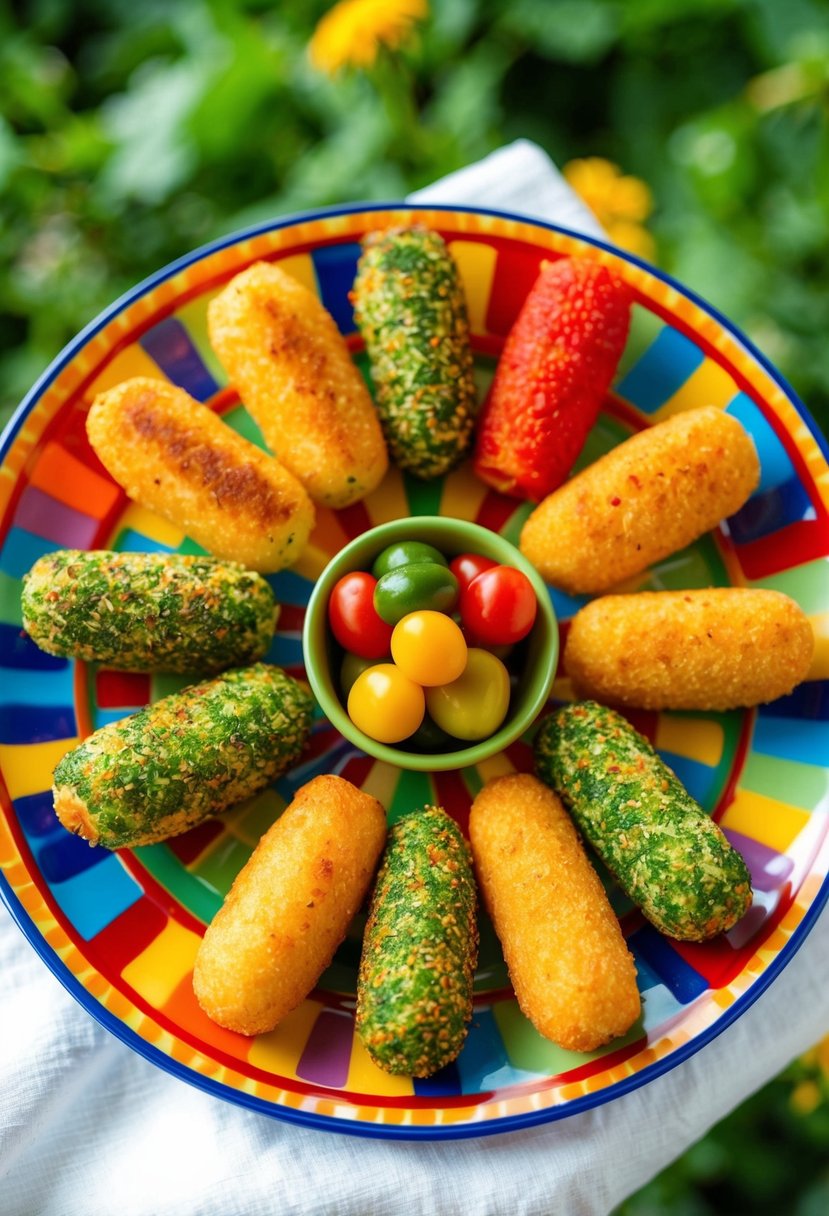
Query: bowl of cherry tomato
<point>430,643</point>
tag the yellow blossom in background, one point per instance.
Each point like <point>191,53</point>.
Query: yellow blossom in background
<point>620,203</point>
<point>811,1091</point>
<point>805,1097</point>
<point>352,32</point>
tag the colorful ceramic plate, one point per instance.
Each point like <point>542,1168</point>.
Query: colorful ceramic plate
<point>121,930</point>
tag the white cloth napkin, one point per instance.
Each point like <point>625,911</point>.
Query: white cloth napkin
<point>89,1128</point>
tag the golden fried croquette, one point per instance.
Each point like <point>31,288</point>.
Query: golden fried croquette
<point>573,975</point>
<point>645,499</point>
<point>294,373</point>
<point>177,457</point>
<point>720,648</point>
<point>290,906</point>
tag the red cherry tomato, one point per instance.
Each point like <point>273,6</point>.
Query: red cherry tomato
<point>498,607</point>
<point>467,566</point>
<point>353,619</point>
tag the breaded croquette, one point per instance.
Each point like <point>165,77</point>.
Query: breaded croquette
<point>290,906</point>
<point>148,611</point>
<point>715,649</point>
<point>410,307</point>
<point>193,754</point>
<point>177,457</point>
<point>663,849</point>
<point>645,499</point>
<point>420,949</point>
<point>286,356</point>
<point>573,975</point>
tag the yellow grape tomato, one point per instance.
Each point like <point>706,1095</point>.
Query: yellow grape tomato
<point>473,706</point>
<point>385,704</point>
<point>429,648</point>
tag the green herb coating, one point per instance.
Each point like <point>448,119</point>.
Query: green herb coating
<point>191,755</point>
<point>665,852</point>
<point>414,992</point>
<point>148,611</point>
<point>410,308</point>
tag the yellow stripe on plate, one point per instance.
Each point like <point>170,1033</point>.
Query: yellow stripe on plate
<point>364,1077</point>
<point>153,526</point>
<point>132,361</point>
<point>819,669</point>
<point>476,263</point>
<point>300,267</point>
<point>389,500</point>
<point>312,563</point>
<point>279,1051</point>
<point>158,970</point>
<point>462,494</point>
<point>28,767</point>
<point>765,820</point>
<point>382,782</point>
<point>708,385</point>
<point>691,737</point>
<point>498,765</point>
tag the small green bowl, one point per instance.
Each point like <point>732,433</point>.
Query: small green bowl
<point>451,537</point>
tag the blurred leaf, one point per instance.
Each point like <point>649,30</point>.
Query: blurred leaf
<point>580,31</point>
<point>645,15</point>
<point>230,108</point>
<point>787,30</point>
<point>467,99</point>
<point>717,152</point>
<point>11,152</point>
<point>153,156</point>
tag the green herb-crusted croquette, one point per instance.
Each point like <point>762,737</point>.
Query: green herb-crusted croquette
<point>148,611</point>
<point>670,858</point>
<point>411,310</point>
<point>191,755</point>
<point>414,993</point>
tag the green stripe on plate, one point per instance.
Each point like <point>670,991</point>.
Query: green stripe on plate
<point>10,591</point>
<point>802,785</point>
<point>808,584</point>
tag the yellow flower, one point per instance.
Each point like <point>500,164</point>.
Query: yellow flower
<point>352,32</point>
<point>620,203</point>
<point>805,1097</point>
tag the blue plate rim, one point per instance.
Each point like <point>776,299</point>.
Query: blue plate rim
<point>393,1131</point>
<point>507,1123</point>
<point>234,238</point>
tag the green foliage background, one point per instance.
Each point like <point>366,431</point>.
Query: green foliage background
<point>133,130</point>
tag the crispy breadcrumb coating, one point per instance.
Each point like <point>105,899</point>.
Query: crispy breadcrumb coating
<point>290,906</point>
<point>665,852</point>
<point>148,611</point>
<point>714,649</point>
<point>645,499</point>
<point>414,994</point>
<point>573,975</point>
<point>159,772</point>
<point>177,457</point>
<point>295,375</point>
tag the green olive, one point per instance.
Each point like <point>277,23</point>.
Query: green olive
<point>420,585</point>
<point>406,553</point>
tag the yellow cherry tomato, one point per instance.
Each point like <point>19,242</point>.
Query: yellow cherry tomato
<point>473,706</point>
<point>429,648</point>
<point>385,704</point>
